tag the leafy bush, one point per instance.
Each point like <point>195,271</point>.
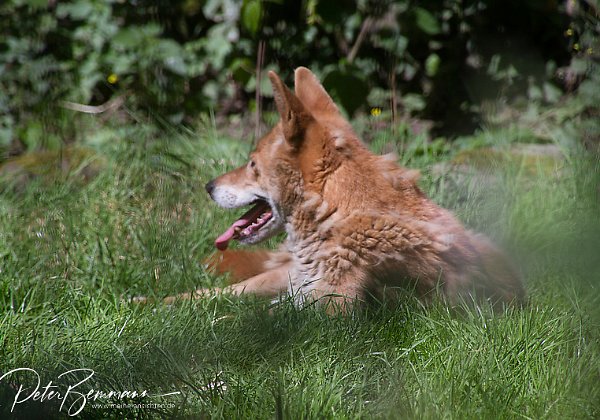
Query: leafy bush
<point>181,57</point>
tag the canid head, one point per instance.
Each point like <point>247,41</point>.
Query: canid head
<point>309,143</point>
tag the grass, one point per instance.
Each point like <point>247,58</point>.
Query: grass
<point>73,250</point>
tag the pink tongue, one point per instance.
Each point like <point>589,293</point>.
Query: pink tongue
<point>223,241</point>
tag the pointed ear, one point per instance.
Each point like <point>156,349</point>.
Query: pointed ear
<point>312,94</point>
<point>294,116</point>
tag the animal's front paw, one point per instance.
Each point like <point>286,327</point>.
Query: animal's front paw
<point>137,300</point>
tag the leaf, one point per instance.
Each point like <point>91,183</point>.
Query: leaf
<point>241,69</point>
<point>579,66</point>
<point>120,62</point>
<point>426,21</point>
<point>79,10</point>
<point>217,45</point>
<point>534,92</point>
<point>348,88</point>
<point>36,4</point>
<point>251,15</point>
<point>408,71</point>
<point>589,90</point>
<point>167,48</point>
<point>129,37</point>
<point>413,102</point>
<point>211,90</point>
<point>551,93</point>
<point>432,64</point>
<point>390,41</point>
<point>32,134</point>
<point>176,64</point>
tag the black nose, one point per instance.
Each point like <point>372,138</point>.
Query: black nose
<point>210,186</point>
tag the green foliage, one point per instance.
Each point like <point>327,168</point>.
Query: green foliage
<point>184,57</point>
<point>251,15</point>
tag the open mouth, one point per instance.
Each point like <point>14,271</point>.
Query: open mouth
<point>246,226</point>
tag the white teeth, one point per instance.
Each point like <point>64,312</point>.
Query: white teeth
<point>248,230</point>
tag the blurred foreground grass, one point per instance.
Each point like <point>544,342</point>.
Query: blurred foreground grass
<point>74,244</point>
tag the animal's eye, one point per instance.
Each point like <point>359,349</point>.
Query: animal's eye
<point>253,168</point>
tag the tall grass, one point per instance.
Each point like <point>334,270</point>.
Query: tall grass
<point>73,252</point>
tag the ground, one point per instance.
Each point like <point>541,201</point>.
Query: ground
<point>129,216</point>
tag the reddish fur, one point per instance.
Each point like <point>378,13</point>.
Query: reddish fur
<point>239,264</point>
<point>357,223</point>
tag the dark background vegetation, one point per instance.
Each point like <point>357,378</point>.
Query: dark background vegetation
<point>440,61</point>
